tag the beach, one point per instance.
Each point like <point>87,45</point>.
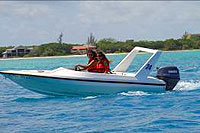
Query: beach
<point>47,57</point>
<point>69,56</point>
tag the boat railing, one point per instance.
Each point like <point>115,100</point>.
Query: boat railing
<point>145,70</point>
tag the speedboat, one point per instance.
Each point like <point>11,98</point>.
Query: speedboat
<point>64,81</point>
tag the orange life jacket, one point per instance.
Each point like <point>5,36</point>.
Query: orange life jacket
<point>103,66</point>
<point>93,66</point>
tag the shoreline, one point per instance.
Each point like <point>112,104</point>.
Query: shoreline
<point>189,50</point>
<point>69,56</point>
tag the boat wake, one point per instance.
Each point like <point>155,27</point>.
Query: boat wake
<point>134,93</point>
<point>89,97</point>
<point>187,85</point>
<point>181,86</point>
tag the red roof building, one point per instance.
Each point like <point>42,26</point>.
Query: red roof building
<point>82,49</point>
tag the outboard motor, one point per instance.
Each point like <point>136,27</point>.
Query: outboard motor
<point>170,75</point>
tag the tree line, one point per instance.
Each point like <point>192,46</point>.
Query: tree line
<point>111,45</point>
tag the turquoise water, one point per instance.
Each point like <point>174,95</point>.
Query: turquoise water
<point>177,111</point>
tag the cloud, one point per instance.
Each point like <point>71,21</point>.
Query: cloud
<point>31,11</point>
<point>37,21</point>
<point>101,12</point>
<point>24,9</point>
<point>25,22</point>
<point>128,12</point>
<point>147,19</point>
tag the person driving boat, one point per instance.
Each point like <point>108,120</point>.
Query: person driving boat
<point>92,63</point>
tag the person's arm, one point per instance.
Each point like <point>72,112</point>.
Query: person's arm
<point>90,64</point>
<point>79,67</point>
<point>85,67</point>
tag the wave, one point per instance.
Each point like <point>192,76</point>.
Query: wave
<point>187,85</point>
<point>89,97</point>
<point>181,86</point>
<point>134,93</point>
<point>191,69</point>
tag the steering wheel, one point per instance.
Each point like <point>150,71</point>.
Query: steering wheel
<point>77,68</point>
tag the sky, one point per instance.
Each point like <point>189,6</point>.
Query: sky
<point>39,22</point>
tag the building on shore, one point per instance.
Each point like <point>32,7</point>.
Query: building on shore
<point>82,49</point>
<point>189,35</point>
<point>18,51</point>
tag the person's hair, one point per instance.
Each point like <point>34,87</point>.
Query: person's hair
<point>94,54</point>
<point>103,55</point>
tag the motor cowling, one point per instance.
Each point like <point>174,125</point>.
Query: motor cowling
<point>170,75</point>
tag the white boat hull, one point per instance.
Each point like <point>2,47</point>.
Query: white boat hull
<point>64,81</point>
<point>70,86</point>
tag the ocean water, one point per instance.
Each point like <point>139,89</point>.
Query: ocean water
<point>24,111</point>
